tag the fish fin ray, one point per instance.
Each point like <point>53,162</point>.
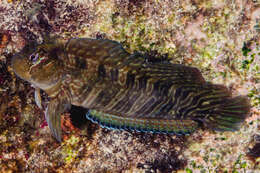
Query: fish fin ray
<point>152,125</point>
<point>53,116</point>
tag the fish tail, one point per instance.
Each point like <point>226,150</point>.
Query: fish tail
<point>222,112</point>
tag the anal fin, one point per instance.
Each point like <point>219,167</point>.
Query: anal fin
<point>151,125</point>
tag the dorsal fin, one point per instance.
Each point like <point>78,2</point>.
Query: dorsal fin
<point>102,51</point>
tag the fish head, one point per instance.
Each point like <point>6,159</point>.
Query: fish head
<point>39,64</point>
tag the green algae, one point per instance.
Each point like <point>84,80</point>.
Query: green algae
<point>245,50</point>
<point>70,149</point>
<point>137,35</point>
<point>254,97</point>
<point>188,170</point>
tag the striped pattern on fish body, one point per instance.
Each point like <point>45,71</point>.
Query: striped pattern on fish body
<point>127,91</point>
<point>141,87</point>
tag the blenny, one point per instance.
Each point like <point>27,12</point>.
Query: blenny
<point>125,91</point>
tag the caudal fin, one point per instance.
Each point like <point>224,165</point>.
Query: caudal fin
<point>230,114</point>
<point>226,113</point>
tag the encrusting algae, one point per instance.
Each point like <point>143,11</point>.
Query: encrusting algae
<point>125,91</point>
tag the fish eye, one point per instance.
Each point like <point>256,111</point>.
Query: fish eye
<point>34,57</point>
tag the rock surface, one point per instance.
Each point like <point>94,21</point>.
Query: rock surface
<point>218,37</point>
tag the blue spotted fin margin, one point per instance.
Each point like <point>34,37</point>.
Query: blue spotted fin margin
<point>151,125</point>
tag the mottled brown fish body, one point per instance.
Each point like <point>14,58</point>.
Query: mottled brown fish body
<point>121,84</point>
<point>127,91</point>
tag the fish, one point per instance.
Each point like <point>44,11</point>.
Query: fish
<point>125,91</point>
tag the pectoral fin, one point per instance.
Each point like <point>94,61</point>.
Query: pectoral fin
<point>37,97</point>
<point>53,116</point>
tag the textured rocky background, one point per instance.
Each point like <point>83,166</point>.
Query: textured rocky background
<point>219,37</point>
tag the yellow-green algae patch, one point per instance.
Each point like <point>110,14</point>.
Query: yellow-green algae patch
<point>69,149</point>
